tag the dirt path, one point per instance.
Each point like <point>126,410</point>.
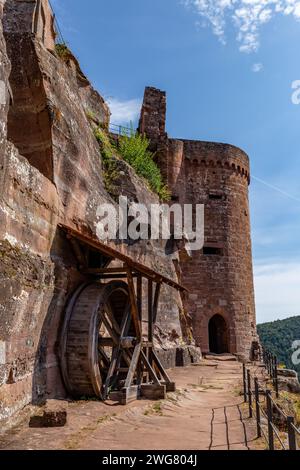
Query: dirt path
<point>205,413</point>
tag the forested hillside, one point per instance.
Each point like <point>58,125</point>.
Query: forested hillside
<point>278,337</point>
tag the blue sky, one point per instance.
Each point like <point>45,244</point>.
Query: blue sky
<point>228,68</point>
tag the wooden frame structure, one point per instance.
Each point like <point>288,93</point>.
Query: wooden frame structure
<point>144,374</point>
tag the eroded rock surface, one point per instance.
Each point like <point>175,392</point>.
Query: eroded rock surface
<point>51,174</point>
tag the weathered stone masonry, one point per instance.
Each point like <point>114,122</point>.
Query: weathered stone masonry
<point>220,278</point>
<point>51,174</point>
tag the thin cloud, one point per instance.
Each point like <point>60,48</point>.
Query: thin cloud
<point>247,17</point>
<point>277,290</point>
<point>124,112</point>
<point>275,188</point>
<point>256,68</point>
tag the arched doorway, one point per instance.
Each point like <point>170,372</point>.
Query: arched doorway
<point>218,335</point>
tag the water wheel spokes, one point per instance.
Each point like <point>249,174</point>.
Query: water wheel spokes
<point>97,317</point>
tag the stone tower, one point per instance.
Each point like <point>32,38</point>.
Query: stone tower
<point>219,277</point>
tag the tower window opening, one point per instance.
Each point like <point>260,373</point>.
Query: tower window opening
<point>212,251</point>
<point>216,197</point>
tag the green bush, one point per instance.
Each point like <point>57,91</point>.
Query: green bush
<point>106,147</point>
<point>134,149</point>
<point>63,52</point>
<point>110,170</point>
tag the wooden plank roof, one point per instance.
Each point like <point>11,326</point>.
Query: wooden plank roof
<point>113,253</point>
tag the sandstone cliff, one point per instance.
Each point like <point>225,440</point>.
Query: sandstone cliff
<point>51,173</point>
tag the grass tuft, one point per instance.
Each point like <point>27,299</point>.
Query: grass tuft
<point>134,149</point>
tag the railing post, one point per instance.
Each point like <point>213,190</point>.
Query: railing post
<point>276,377</point>
<point>249,393</point>
<point>291,433</point>
<point>245,383</point>
<point>270,419</point>
<point>257,407</point>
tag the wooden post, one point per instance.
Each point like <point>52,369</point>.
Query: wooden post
<point>149,355</point>
<point>133,365</point>
<point>156,301</point>
<point>258,423</point>
<point>270,419</point>
<point>245,383</point>
<point>139,295</point>
<point>249,393</point>
<point>150,310</point>
<point>139,291</point>
<point>291,433</point>
<point>134,306</point>
<point>276,377</point>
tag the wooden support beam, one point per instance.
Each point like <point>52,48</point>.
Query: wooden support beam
<point>156,301</point>
<point>78,252</point>
<point>105,342</point>
<point>115,254</point>
<point>139,292</point>
<point>127,342</point>
<point>111,371</point>
<point>133,365</point>
<point>126,395</point>
<point>153,391</point>
<point>134,306</point>
<point>119,269</point>
<point>114,336</point>
<point>170,386</point>
<point>104,357</point>
<point>104,276</point>
<point>160,367</point>
<point>115,272</point>
<point>111,331</point>
<point>150,311</point>
<point>149,368</point>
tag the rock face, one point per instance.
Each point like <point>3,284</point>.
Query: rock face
<point>289,384</point>
<point>51,174</point>
<point>220,277</point>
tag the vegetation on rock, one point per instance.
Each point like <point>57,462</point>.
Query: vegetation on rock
<point>63,52</point>
<point>278,337</point>
<point>110,169</point>
<point>134,149</point>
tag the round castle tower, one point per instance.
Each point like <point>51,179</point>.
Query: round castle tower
<point>219,278</point>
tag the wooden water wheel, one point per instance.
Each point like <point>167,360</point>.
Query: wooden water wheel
<point>96,339</point>
<point>103,350</point>
<point>107,340</point>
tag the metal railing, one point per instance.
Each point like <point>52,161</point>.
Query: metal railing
<point>60,37</point>
<point>122,130</point>
<point>265,410</point>
<point>271,364</point>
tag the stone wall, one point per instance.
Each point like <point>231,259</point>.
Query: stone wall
<point>221,280</point>
<point>220,277</point>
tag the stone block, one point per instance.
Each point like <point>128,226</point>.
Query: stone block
<point>49,419</point>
